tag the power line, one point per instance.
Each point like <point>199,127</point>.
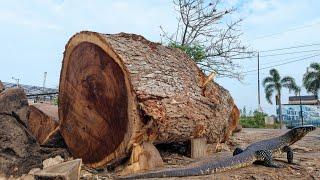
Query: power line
<point>288,62</point>
<point>277,61</point>
<point>255,74</point>
<point>277,54</point>
<point>291,47</point>
<point>246,57</point>
<point>292,29</point>
<point>279,49</point>
<point>295,52</point>
<point>280,64</point>
<point>296,57</point>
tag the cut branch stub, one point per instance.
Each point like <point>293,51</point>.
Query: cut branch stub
<point>121,89</point>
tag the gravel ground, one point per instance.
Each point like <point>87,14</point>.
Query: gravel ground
<point>306,159</point>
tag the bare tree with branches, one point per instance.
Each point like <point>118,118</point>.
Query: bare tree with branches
<point>204,30</point>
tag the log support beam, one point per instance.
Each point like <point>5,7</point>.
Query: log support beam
<point>198,148</point>
<point>144,157</point>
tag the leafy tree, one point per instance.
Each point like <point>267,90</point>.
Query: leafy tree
<point>207,34</point>
<point>196,52</point>
<point>274,84</point>
<point>311,79</point>
<point>259,116</point>
<point>244,111</point>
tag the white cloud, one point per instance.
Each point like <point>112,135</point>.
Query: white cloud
<point>258,5</point>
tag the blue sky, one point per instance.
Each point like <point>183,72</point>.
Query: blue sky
<point>33,34</point>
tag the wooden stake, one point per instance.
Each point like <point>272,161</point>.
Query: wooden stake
<point>198,148</point>
<point>144,157</point>
<point>210,77</point>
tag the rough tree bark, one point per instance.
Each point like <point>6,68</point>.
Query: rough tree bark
<point>233,122</point>
<point>116,90</point>
<point>14,102</point>
<point>43,123</point>
<point>19,152</point>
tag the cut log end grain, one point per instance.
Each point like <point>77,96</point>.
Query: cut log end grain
<point>121,89</point>
<point>96,102</point>
<point>43,123</point>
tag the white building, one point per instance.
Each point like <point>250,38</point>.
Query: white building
<point>309,106</point>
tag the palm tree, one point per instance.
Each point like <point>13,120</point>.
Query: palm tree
<point>311,79</point>
<point>274,83</point>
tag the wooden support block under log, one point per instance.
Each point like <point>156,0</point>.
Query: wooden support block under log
<point>198,148</point>
<point>43,123</point>
<point>120,89</point>
<point>69,170</point>
<point>144,157</point>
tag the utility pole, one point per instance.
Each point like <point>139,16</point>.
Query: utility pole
<point>301,113</point>
<point>259,102</point>
<point>17,80</point>
<point>44,81</point>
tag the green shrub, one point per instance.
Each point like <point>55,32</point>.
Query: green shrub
<point>255,121</point>
<point>55,101</point>
<point>195,51</point>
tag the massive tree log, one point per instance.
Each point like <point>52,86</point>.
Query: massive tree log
<point>116,90</point>
<point>43,122</point>
<point>19,152</point>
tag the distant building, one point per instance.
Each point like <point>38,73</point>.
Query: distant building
<point>36,93</point>
<point>269,120</point>
<point>310,109</point>
<point>305,100</point>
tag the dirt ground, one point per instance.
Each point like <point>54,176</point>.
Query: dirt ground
<point>306,159</point>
